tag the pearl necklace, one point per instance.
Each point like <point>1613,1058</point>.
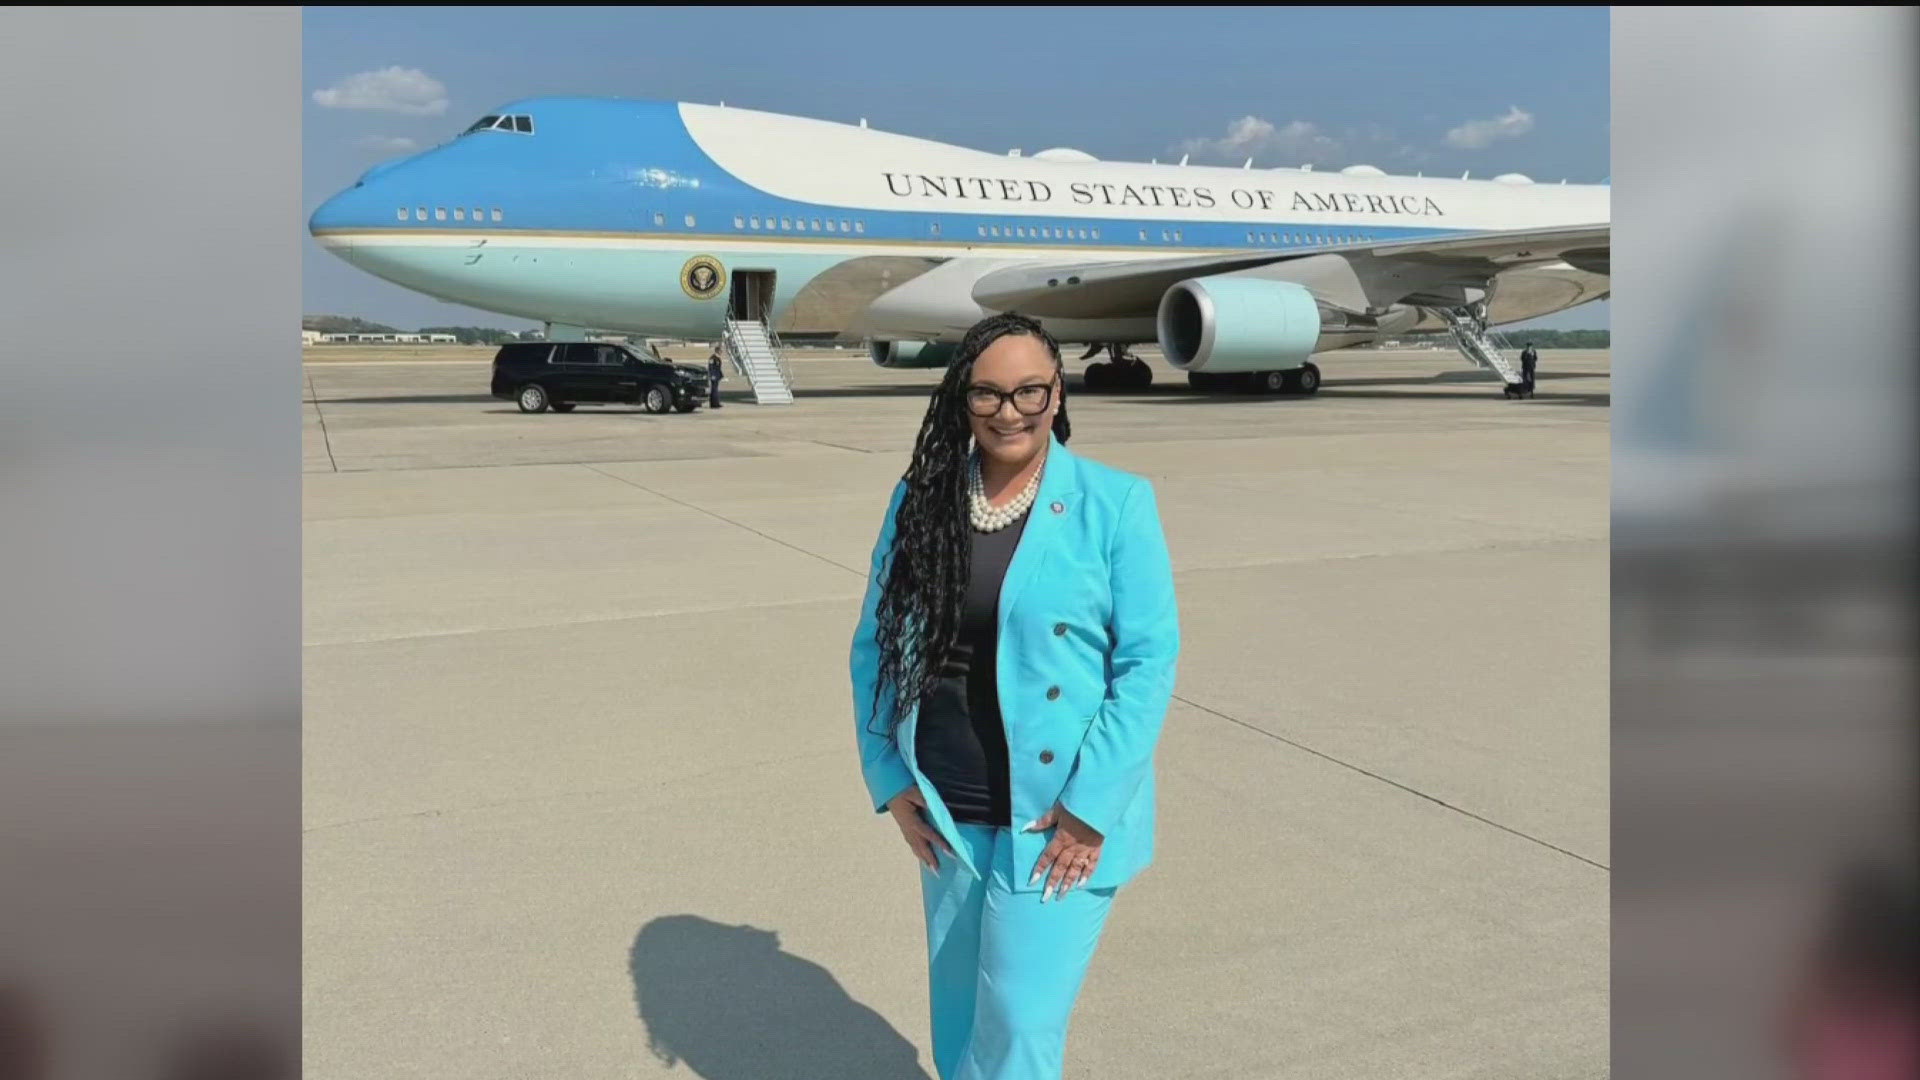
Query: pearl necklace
<point>988,518</point>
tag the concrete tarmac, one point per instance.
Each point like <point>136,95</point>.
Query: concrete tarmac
<point>581,795</point>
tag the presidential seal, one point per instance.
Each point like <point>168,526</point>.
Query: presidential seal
<point>703,277</point>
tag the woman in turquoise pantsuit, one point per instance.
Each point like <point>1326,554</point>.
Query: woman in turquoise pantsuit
<point>1012,668</point>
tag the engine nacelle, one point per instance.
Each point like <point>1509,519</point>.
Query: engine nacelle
<point>912,354</point>
<point>1223,324</point>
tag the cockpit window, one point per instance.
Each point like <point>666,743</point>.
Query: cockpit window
<point>521,124</point>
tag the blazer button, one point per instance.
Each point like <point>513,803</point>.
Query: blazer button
<point>1059,629</point>
<point>1053,693</point>
<point>1046,757</point>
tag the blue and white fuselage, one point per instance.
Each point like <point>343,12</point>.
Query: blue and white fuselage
<point>594,212</point>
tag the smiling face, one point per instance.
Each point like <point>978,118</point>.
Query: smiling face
<point>1022,366</point>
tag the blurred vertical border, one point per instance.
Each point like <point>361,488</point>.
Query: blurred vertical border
<point>149,531</point>
<point>1764,359</point>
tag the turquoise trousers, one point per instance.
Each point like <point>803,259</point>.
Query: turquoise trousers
<point>1003,968</point>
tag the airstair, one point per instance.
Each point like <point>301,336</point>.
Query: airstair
<point>1486,350</point>
<point>756,355</point>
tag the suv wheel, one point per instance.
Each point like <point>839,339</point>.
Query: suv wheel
<point>658,399</point>
<point>533,398</point>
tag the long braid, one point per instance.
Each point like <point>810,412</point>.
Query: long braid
<point>926,584</point>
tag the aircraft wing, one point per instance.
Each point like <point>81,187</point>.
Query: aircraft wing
<point>1369,274</point>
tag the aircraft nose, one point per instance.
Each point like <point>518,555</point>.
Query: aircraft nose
<point>339,212</point>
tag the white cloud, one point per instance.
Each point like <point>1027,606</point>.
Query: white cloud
<point>398,144</point>
<point>394,89</point>
<point>1250,136</point>
<point>1479,134</point>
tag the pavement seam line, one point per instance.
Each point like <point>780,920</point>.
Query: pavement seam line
<point>325,439</point>
<point>1392,783</point>
<point>724,518</point>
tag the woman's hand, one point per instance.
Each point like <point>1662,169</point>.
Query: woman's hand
<point>1070,856</point>
<point>918,832</point>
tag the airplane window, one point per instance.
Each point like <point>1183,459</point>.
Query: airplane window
<point>860,226</point>
<point>523,124</point>
<point>787,224</point>
<point>659,219</point>
<point>1096,234</point>
<point>936,228</point>
<point>477,215</point>
<point>830,225</point>
<point>993,230</point>
<point>419,213</point>
<point>843,225</point>
<point>439,213</point>
<point>482,124</point>
<point>816,224</point>
<point>755,221</point>
<point>739,222</point>
<point>689,221</point>
<point>401,215</point>
<point>459,213</point>
<point>983,230</point>
<point>1176,236</point>
<point>496,213</point>
<point>1143,234</point>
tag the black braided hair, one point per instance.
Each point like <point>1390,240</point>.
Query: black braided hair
<point>926,580</point>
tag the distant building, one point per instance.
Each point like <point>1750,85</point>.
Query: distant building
<point>310,337</point>
<point>442,339</point>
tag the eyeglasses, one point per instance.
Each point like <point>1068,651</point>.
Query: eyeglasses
<point>1032,400</point>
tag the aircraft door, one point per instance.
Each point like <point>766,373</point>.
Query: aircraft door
<point>750,298</point>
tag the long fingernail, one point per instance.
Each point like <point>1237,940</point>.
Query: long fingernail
<point>1034,880</point>
<point>1049,892</point>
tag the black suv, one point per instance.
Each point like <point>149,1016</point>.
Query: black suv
<point>540,375</point>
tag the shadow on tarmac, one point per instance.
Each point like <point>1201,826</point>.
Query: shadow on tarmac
<point>730,1004</point>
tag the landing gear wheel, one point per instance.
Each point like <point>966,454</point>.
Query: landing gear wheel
<point>533,398</point>
<point>1099,376</point>
<point>1139,375</point>
<point>658,400</point>
<point>560,406</point>
<point>1266,382</point>
<point>1305,380</point>
<point>1201,380</point>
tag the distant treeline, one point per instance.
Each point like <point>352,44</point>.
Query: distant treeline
<point>466,335</point>
<point>1561,339</point>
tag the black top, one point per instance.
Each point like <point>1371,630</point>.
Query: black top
<point>960,743</point>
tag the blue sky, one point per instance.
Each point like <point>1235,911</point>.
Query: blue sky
<point>1443,90</point>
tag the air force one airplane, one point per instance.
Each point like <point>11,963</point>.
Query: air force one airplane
<point>704,222</point>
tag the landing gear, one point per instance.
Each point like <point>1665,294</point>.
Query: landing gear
<point>1124,372</point>
<point>1303,381</point>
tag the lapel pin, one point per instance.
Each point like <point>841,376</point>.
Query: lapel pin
<point>1059,508</point>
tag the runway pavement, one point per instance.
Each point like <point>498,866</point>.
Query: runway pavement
<point>581,795</point>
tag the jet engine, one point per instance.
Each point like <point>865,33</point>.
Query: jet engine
<point>912,354</point>
<point>1225,324</point>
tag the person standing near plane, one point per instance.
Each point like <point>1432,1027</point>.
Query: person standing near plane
<point>714,375</point>
<point>1528,358</point>
<point>1012,667</point>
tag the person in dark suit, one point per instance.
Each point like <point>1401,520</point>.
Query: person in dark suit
<point>714,375</point>
<point>1528,358</point>
<point>1010,572</point>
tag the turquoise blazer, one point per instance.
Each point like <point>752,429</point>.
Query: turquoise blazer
<point>1089,636</point>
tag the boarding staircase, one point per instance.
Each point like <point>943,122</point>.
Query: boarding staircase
<point>1486,349</point>
<point>756,354</point>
